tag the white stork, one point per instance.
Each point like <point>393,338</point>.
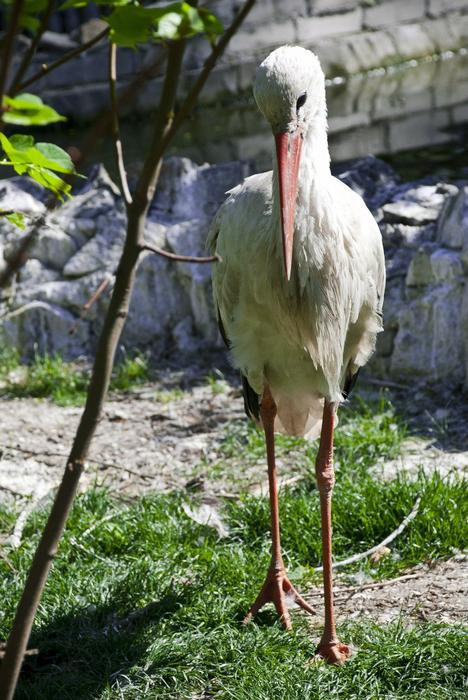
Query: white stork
<point>299,291</point>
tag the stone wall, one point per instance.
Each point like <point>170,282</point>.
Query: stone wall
<point>349,36</point>
<point>424,228</point>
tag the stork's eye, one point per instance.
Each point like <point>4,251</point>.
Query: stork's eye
<point>301,101</point>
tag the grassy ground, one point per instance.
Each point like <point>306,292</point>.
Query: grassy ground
<point>144,603</point>
<point>65,383</point>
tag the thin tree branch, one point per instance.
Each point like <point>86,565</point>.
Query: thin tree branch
<point>115,124</point>
<point>179,258</point>
<point>21,255</point>
<point>29,54</point>
<point>8,47</point>
<point>125,96</point>
<point>91,301</point>
<point>60,61</point>
<point>392,536</point>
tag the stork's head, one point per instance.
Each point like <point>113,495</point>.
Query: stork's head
<point>289,90</point>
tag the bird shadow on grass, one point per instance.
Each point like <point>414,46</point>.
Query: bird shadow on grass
<point>83,652</point>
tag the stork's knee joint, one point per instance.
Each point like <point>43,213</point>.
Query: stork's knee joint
<point>325,473</point>
<point>268,408</point>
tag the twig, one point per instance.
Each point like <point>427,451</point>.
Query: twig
<point>28,652</point>
<point>393,535</point>
<point>103,520</point>
<point>12,491</point>
<point>126,96</point>
<point>14,540</point>
<point>386,383</point>
<point>29,54</point>
<point>352,590</point>
<point>4,558</point>
<point>63,59</point>
<point>8,47</point>
<point>115,124</point>
<point>101,465</point>
<point>92,300</point>
<point>180,258</point>
<point>90,554</point>
<point>21,255</point>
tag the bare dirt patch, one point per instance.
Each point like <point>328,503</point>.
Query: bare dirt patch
<point>436,592</point>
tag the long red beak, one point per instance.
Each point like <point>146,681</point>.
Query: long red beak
<point>288,153</point>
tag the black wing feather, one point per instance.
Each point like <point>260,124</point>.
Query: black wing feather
<point>350,381</point>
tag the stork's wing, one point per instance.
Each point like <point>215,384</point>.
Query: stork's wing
<point>251,398</point>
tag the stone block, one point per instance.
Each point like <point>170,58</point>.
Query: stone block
<point>451,228</point>
<point>372,139</point>
<point>84,102</point>
<point>420,272</point>
<point>460,114</point>
<point>409,213</point>
<point>101,252</point>
<point>350,121</point>
<point>262,13</point>
<point>436,8</point>
<point>265,37</point>
<point>336,58</point>
<point>451,94</point>
<point>429,342</point>
<point>315,28</point>
<point>373,49</point>
<point>53,247</point>
<point>459,26</point>
<point>328,7</point>
<point>393,12</point>
<point>44,328</point>
<point>421,77</point>
<point>418,130</point>
<point>446,265</point>
<point>412,41</point>
<point>398,104</point>
<point>443,33</point>
<point>291,8</point>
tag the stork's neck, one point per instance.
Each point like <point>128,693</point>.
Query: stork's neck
<point>314,169</point>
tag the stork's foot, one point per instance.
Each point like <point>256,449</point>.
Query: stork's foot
<point>278,590</point>
<point>334,652</point>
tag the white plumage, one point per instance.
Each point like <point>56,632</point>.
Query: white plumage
<point>306,336</point>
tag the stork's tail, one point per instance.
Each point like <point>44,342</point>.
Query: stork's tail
<point>300,416</point>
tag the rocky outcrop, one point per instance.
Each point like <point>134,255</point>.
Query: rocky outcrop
<point>424,227</point>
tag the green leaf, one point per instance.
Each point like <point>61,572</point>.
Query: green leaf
<point>82,3</point>
<point>213,26</point>
<point>32,9</point>
<point>29,110</point>
<point>56,157</point>
<point>16,218</point>
<point>38,161</point>
<point>20,142</point>
<point>133,24</point>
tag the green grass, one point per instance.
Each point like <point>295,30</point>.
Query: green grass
<point>64,383</point>
<point>149,604</point>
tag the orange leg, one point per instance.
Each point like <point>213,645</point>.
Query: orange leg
<point>277,585</point>
<point>330,648</point>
